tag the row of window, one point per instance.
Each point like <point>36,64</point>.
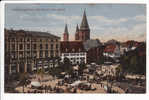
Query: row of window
<point>35,46</point>
<point>74,59</point>
<point>29,40</point>
<point>74,54</point>
<point>73,50</point>
<point>34,54</point>
<point>47,53</point>
<point>47,46</point>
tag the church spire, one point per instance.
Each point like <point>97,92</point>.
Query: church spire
<point>66,29</point>
<point>77,33</point>
<point>77,28</point>
<point>66,35</point>
<point>84,32</point>
<point>84,23</point>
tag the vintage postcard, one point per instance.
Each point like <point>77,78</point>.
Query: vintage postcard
<point>87,48</point>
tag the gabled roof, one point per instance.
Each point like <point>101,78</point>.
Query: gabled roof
<point>110,48</point>
<point>71,46</point>
<point>130,43</point>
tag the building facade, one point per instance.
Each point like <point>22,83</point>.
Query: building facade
<point>26,51</point>
<point>112,51</point>
<point>94,49</point>
<point>74,51</point>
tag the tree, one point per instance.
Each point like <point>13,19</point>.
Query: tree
<point>67,66</point>
<point>119,72</point>
<point>66,63</point>
<point>101,60</point>
<point>142,65</point>
<point>132,62</point>
<point>82,66</point>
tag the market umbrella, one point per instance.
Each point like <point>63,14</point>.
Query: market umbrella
<point>35,84</point>
<point>76,83</point>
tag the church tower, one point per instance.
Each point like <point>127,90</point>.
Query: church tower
<point>66,34</point>
<point>77,33</point>
<point>84,32</point>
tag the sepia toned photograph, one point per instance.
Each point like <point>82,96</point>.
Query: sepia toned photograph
<point>75,48</point>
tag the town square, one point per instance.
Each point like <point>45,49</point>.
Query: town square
<point>70,48</point>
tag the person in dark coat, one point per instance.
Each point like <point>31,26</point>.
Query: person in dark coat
<point>75,90</point>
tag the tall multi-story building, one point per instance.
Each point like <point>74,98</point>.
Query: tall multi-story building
<point>29,50</point>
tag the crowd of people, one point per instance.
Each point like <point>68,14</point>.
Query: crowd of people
<point>91,81</point>
<point>88,78</point>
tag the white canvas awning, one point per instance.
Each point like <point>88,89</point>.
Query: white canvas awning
<point>35,84</point>
<point>67,76</point>
<point>91,76</point>
<point>63,73</point>
<point>75,67</point>
<point>76,83</point>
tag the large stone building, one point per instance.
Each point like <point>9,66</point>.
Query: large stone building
<point>29,50</point>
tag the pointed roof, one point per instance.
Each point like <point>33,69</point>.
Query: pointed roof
<point>77,28</point>
<point>66,29</point>
<point>84,23</point>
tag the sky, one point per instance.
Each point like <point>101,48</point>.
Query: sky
<point>121,22</point>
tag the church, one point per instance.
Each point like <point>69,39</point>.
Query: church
<point>82,48</point>
<point>82,33</point>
